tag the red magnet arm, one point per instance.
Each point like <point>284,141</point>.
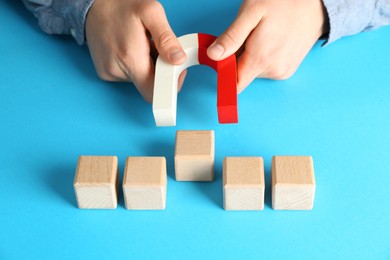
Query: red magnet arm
<point>226,82</point>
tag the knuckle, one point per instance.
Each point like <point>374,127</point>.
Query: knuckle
<point>256,8</point>
<point>126,63</point>
<point>165,39</point>
<point>272,67</point>
<point>105,75</point>
<point>279,72</point>
<point>254,5</point>
<point>151,8</point>
<point>232,35</point>
<point>260,60</point>
<point>107,72</point>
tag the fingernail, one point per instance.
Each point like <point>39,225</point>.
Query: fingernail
<point>216,50</point>
<point>177,55</point>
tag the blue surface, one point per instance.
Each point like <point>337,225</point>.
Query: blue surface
<point>54,108</point>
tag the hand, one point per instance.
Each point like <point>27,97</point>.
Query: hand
<point>124,37</point>
<point>274,37</point>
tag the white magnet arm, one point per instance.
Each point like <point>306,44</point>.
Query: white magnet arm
<point>166,79</point>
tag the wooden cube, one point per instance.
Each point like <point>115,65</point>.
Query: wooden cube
<point>293,182</point>
<point>96,182</point>
<point>243,183</point>
<point>145,183</point>
<point>194,156</point>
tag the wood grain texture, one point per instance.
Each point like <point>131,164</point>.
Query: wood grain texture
<point>194,156</point>
<point>293,183</point>
<point>145,183</point>
<point>243,183</point>
<point>96,182</point>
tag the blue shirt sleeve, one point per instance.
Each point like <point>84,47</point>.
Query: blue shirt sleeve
<point>61,16</point>
<point>348,17</point>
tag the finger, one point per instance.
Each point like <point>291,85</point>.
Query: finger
<point>182,76</point>
<point>145,83</point>
<point>248,68</point>
<point>104,60</point>
<point>142,78</point>
<point>135,61</point>
<point>166,42</point>
<point>253,59</point>
<point>153,51</point>
<point>234,37</point>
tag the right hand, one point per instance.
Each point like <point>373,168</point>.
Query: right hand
<point>123,37</point>
<point>272,37</point>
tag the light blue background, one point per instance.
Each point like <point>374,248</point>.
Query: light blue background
<point>54,108</point>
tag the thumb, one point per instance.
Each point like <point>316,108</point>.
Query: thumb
<point>234,37</point>
<point>166,42</point>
